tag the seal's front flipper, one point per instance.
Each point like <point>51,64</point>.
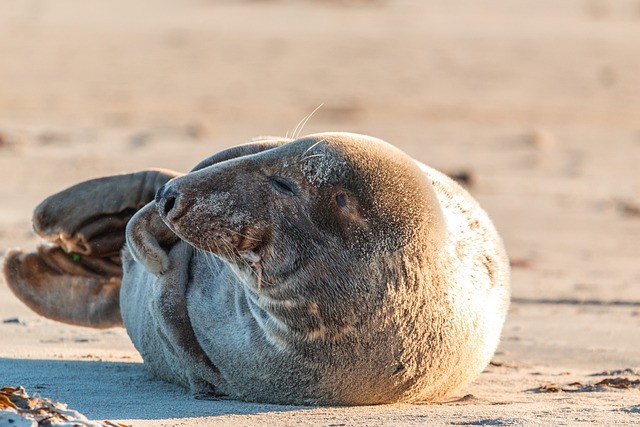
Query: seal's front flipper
<point>149,240</point>
<point>69,288</point>
<point>90,218</point>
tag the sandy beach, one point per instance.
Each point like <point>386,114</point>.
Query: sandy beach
<point>537,102</point>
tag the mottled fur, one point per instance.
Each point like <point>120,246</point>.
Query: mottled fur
<point>332,269</point>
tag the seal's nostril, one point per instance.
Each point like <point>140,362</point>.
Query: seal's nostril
<point>169,203</point>
<point>166,200</point>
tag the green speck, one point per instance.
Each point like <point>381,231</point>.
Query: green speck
<point>75,257</point>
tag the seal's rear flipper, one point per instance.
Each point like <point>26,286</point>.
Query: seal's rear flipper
<point>76,277</point>
<point>69,288</point>
<point>90,218</point>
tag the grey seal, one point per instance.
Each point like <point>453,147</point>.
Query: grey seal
<point>332,269</point>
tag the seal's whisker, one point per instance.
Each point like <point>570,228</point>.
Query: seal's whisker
<point>315,145</point>
<point>303,122</point>
<point>208,254</point>
<point>259,274</point>
<point>245,262</point>
<point>207,259</point>
<point>213,266</point>
<point>312,155</point>
<point>240,234</point>
<point>199,254</point>
<point>261,278</point>
<point>255,268</point>
<point>295,130</point>
<point>228,251</point>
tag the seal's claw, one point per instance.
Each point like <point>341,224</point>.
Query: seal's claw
<point>66,287</point>
<point>99,236</point>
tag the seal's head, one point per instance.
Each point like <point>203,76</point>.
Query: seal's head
<point>301,220</point>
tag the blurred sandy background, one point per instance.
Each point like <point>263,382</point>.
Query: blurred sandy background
<point>538,101</point>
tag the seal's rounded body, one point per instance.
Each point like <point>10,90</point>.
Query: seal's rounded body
<point>332,269</point>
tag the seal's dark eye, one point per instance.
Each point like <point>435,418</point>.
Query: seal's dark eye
<point>341,200</point>
<point>281,185</point>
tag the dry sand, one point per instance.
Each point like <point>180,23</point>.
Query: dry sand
<point>539,100</point>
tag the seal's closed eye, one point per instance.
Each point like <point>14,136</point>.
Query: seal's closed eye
<point>282,185</point>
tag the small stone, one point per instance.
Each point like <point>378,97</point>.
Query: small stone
<point>541,139</point>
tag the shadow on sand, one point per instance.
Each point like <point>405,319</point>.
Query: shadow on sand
<point>116,390</point>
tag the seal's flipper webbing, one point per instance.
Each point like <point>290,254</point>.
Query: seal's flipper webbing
<point>76,278</point>
<point>69,288</point>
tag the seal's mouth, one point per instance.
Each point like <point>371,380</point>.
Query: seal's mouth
<point>253,258</point>
<point>246,253</point>
<point>243,244</point>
